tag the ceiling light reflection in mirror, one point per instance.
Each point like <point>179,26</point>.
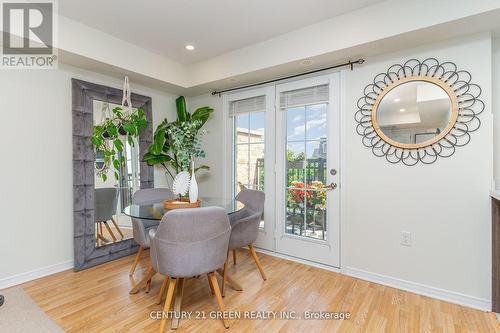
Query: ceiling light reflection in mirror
<point>414,112</point>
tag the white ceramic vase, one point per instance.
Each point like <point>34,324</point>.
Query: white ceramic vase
<point>193,186</point>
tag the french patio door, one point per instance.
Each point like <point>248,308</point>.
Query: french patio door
<point>284,140</point>
<point>307,169</point>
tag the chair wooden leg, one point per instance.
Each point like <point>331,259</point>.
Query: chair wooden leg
<point>257,262</point>
<point>100,229</point>
<point>117,227</point>
<point>97,239</point>
<point>148,286</point>
<point>144,281</point>
<point>102,239</point>
<point>168,302</point>
<point>162,289</point>
<point>210,284</point>
<point>218,295</point>
<point>224,276</point>
<point>234,256</point>
<point>98,236</point>
<point>177,304</point>
<point>136,260</point>
<point>110,231</point>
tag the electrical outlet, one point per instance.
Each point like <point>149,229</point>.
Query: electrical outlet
<point>406,238</point>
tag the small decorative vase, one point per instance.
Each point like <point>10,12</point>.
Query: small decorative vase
<point>193,186</point>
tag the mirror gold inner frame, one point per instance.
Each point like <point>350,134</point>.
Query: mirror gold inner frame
<point>451,123</point>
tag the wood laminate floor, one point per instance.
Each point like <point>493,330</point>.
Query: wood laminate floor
<point>97,300</point>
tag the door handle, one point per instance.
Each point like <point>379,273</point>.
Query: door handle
<point>330,187</point>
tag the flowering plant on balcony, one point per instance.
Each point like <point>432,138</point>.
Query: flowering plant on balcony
<point>296,194</point>
<point>316,196</point>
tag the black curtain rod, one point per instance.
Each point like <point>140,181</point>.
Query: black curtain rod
<point>349,63</point>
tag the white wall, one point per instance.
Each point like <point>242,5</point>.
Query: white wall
<point>210,182</point>
<point>36,194</point>
<point>444,205</point>
<point>496,108</point>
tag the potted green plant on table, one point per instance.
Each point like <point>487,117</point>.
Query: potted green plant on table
<point>176,143</point>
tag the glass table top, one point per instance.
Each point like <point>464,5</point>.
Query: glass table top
<point>155,211</point>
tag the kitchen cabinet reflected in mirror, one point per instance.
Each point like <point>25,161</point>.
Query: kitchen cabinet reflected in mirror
<point>114,193</point>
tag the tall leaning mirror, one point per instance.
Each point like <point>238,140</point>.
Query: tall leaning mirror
<point>109,141</point>
<point>114,187</point>
<point>419,111</point>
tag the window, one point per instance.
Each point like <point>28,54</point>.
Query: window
<point>248,137</point>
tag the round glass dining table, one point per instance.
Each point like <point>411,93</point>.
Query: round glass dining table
<point>155,211</point>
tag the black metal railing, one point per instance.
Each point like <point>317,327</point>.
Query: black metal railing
<point>312,169</point>
<point>308,171</point>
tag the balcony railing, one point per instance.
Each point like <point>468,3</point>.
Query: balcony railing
<point>306,200</point>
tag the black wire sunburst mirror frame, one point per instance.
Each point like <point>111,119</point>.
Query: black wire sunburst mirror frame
<point>466,107</point>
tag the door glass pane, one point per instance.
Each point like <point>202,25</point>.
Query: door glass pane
<point>316,211</point>
<point>242,127</point>
<point>316,122</point>
<point>295,124</point>
<point>249,148</point>
<point>316,161</point>
<point>241,165</point>
<point>306,156</point>
<point>256,176</point>
<point>295,161</point>
<point>256,126</point>
<point>295,209</point>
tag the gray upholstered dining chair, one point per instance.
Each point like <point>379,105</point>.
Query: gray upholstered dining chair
<point>187,243</point>
<point>245,227</point>
<point>140,227</point>
<point>106,200</point>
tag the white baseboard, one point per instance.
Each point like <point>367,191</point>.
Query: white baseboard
<point>35,274</point>
<point>417,288</point>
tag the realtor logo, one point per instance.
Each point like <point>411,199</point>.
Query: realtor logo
<point>28,30</point>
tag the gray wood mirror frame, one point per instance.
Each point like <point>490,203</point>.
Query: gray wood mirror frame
<point>86,254</point>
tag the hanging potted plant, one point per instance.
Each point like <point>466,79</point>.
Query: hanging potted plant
<point>176,143</point>
<point>115,116</point>
<point>107,139</point>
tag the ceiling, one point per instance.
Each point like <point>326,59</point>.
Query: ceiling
<point>213,27</point>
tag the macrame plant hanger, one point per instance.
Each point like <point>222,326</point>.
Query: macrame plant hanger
<point>127,110</point>
<point>126,100</point>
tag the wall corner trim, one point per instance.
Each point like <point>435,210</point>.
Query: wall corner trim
<point>14,280</point>
<point>421,289</point>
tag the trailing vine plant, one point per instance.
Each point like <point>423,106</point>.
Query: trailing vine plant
<point>108,135</point>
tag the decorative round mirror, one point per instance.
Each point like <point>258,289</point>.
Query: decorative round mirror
<point>419,111</point>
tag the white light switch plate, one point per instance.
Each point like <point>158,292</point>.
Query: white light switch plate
<point>406,238</point>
